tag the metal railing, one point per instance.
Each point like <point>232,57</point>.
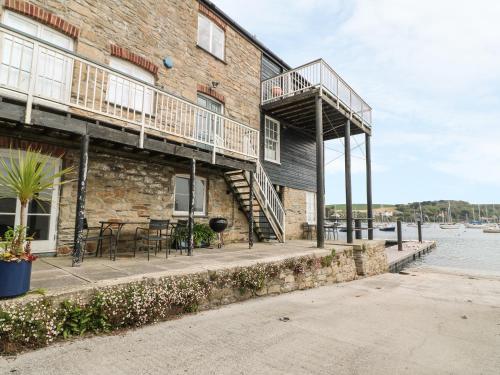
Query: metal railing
<point>271,198</point>
<point>36,71</point>
<point>314,75</point>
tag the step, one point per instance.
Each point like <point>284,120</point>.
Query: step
<point>233,172</point>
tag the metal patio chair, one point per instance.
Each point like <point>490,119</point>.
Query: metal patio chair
<point>98,237</point>
<point>180,235</point>
<point>307,231</point>
<point>153,236</point>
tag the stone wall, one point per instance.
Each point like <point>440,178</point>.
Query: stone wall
<point>342,269</point>
<point>370,257</point>
<point>294,202</point>
<point>157,29</point>
<point>126,189</point>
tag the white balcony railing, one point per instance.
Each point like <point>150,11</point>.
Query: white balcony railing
<point>35,71</point>
<point>314,75</point>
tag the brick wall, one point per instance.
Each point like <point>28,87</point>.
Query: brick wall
<point>152,30</point>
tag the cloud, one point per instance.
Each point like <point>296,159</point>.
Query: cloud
<point>430,70</point>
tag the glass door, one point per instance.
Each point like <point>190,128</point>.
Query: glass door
<point>205,121</point>
<point>42,215</point>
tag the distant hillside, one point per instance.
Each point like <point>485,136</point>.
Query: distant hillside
<point>431,210</point>
<point>361,206</point>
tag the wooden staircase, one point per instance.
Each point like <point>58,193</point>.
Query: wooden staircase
<point>268,215</point>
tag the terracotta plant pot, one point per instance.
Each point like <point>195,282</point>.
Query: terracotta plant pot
<point>277,91</point>
<point>15,278</point>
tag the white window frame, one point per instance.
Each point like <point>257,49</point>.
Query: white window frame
<point>267,157</point>
<point>48,34</point>
<point>48,245</point>
<point>196,213</point>
<point>201,123</point>
<point>119,86</point>
<point>311,207</point>
<point>210,48</point>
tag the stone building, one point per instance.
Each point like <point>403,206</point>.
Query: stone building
<point>153,89</point>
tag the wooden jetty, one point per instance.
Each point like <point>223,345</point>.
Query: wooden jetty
<point>412,250</point>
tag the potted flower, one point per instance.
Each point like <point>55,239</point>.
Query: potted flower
<point>28,176</point>
<point>276,91</point>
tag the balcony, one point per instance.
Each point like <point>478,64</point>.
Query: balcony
<point>34,72</point>
<point>290,98</point>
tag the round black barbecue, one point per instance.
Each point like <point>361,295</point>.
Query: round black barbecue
<point>218,225</point>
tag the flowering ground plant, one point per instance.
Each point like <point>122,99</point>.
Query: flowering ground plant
<point>15,246</point>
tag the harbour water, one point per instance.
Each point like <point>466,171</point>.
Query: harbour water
<point>459,249</point>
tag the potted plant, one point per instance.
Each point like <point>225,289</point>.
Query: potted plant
<point>203,235</point>
<point>28,176</point>
<point>276,91</point>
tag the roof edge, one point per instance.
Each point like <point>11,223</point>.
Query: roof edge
<point>245,33</point>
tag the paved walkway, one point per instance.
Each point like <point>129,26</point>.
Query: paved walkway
<point>55,274</point>
<point>422,323</point>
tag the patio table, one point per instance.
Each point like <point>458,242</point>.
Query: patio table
<point>118,225</point>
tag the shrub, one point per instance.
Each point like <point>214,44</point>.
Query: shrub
<point>38,323</point>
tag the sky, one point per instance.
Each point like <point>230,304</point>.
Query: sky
<point>429,69</point>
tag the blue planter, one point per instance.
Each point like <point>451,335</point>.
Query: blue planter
<point>15,278</point>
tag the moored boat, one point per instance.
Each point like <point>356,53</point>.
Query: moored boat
<point>387,228</point>
<point>492,229</point>
<point>476,225</point>
<point>449,226</point>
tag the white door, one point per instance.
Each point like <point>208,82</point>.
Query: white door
<point>310,207</point>
<point>42,217</point>
<point>206,121</point>
<point>53,69</point>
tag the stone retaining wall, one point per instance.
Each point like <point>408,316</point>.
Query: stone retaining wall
<point>370,258</point>
<point>146,299</point>
<point>342,269</point>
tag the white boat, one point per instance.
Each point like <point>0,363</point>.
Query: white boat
<point>495,228</point>
<point>449,224</point>
<point>476,226</point>
<point>414,224</point>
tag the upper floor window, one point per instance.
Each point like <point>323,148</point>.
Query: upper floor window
<point>181,206</point>
<point>126,93</point>
<point>272,140</point>
<point>53,70</point>
<point>211,37</point>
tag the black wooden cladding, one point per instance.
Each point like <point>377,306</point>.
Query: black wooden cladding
<point>269,68</point>
<point>297,168</point>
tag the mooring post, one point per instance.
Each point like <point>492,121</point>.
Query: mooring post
<point>80,200</point>
<point>357,229</point>
<point>348,189</point>
<point>320,176</point>
<point>369,201</point>
<point>400,235</point>
<point>192,175</point>
<point>419,227</point>
<point>250,213</point>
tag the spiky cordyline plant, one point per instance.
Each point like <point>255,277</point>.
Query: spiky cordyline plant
<point>28,176</point>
